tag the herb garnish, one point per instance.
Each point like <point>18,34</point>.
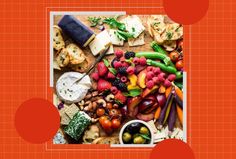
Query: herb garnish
<point>94,21</point>
<point>169,35</point>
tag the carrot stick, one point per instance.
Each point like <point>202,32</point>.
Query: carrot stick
<point>157,113</point>
<point>179,92</point>
<point>168,90</point>
<point>180,114</point>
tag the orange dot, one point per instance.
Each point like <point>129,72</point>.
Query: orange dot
<point>186,11</point>
<point>37,120</point>
<point>172,148</point>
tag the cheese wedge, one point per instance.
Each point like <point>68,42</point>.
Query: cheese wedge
<point>104,37</point>
<point>96,46</point>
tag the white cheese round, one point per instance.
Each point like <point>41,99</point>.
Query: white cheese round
<point>70,91</point>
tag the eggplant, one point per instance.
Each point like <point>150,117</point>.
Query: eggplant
<point>172,117</point>
<point>178,101</point>
<point>164,109</point>
<point>161,99</point>
<point>76,30</point>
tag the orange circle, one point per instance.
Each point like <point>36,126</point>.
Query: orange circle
<point>172,148</point>
<point>37,120</point>
<point>186,11</point>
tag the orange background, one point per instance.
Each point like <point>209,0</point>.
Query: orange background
<point>209,60</point>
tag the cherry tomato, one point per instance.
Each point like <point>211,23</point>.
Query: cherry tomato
<point>109,105</point>
<point>106,124</point>
<point>179,64</point>
<point>114,113</point>
<point>115,123</point>
<point>100,112</point>
<point>102,119</point>
<point>180,45</point>
<point>174,56</point>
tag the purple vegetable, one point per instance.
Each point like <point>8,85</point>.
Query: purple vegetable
<point>178,101</point>
<point>163,110</point>
<point>161,99</point>
<point>172,117</point>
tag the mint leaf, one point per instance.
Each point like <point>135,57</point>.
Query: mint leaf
<point>106,62</point>
<point>112,70</point>
<point>133,93</point>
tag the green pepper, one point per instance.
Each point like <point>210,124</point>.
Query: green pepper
<point>179,75</point>
<point>154,55</point>
<point>157,48</point>
<point>169,69</point>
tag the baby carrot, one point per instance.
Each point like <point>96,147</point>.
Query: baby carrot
<point>180,114</point>
<point>157,113</point>
<point>179,92</point>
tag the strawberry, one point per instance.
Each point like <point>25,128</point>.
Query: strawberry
<point>95,76</point>
<point>120,97</point>
<point>102,69</point>
<point>110,76</point>
<point>103,85</point>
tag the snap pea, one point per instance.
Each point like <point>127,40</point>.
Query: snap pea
<point>169,69</point>
<point>157,48</point>
<point>179,75</point>
<point>154,55</point>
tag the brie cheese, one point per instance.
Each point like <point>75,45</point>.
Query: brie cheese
<point>70,91</point>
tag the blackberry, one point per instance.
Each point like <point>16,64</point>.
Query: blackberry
<point>116,82</point>
<point>129,54</point>
<point>122,87</point>
<point>122,70</point>
<point>112,62</point>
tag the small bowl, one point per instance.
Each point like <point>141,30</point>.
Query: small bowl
<point>136,121</point>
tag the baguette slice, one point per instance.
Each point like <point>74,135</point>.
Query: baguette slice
<point>106,140</point>
<point>63,58</point>
<point>58,41</point>
<point>75,53</point>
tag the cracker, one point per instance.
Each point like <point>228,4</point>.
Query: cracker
<point>71,110</point>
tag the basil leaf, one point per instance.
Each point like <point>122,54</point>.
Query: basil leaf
<point>112,70</point>
<point>133,93</point>
<point>106,62</point>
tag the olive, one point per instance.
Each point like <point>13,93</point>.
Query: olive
<point>139,140</point>
<point>135,135</point>
<point>144,130</point>
<point>133,128</point>
<point>126,137</point>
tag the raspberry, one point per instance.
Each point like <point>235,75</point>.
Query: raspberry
<point>167,83</point>
<point>123,79</point>
<point>156,70</point>
<point>125,64</point>
<point>114,90</point>
<point>119,53</point>
<point>95,76</point>
<point>171,77</point>
<point>117,64</point>
<point>130,70</point>
<point>150,68</point>
<point>142,61</point>
<point>156,80</point>
<point>161,78</point>
<point>150,75</point>
<point>150,84</point>
<point>136,60</point>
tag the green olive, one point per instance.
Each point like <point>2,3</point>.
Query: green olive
<point>135,135</point>
<point>144,130</point>
<point>126,137</point>
<point>139,140</point>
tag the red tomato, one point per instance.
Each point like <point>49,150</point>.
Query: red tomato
<point>100,112</point>
<point>114,113</point>
<point>174,56</point>
<point>115,123</point>
<point>179,64</point>
<point>102,119</point>
<point>180,45</point>
<point>106,124</point>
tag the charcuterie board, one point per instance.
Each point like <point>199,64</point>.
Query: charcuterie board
<point>91,110</point>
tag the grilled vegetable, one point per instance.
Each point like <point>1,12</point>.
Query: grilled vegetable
<point>172,117</point>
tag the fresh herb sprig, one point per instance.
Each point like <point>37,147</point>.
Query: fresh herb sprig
<point>94,21</point>
<point>113,23</point>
